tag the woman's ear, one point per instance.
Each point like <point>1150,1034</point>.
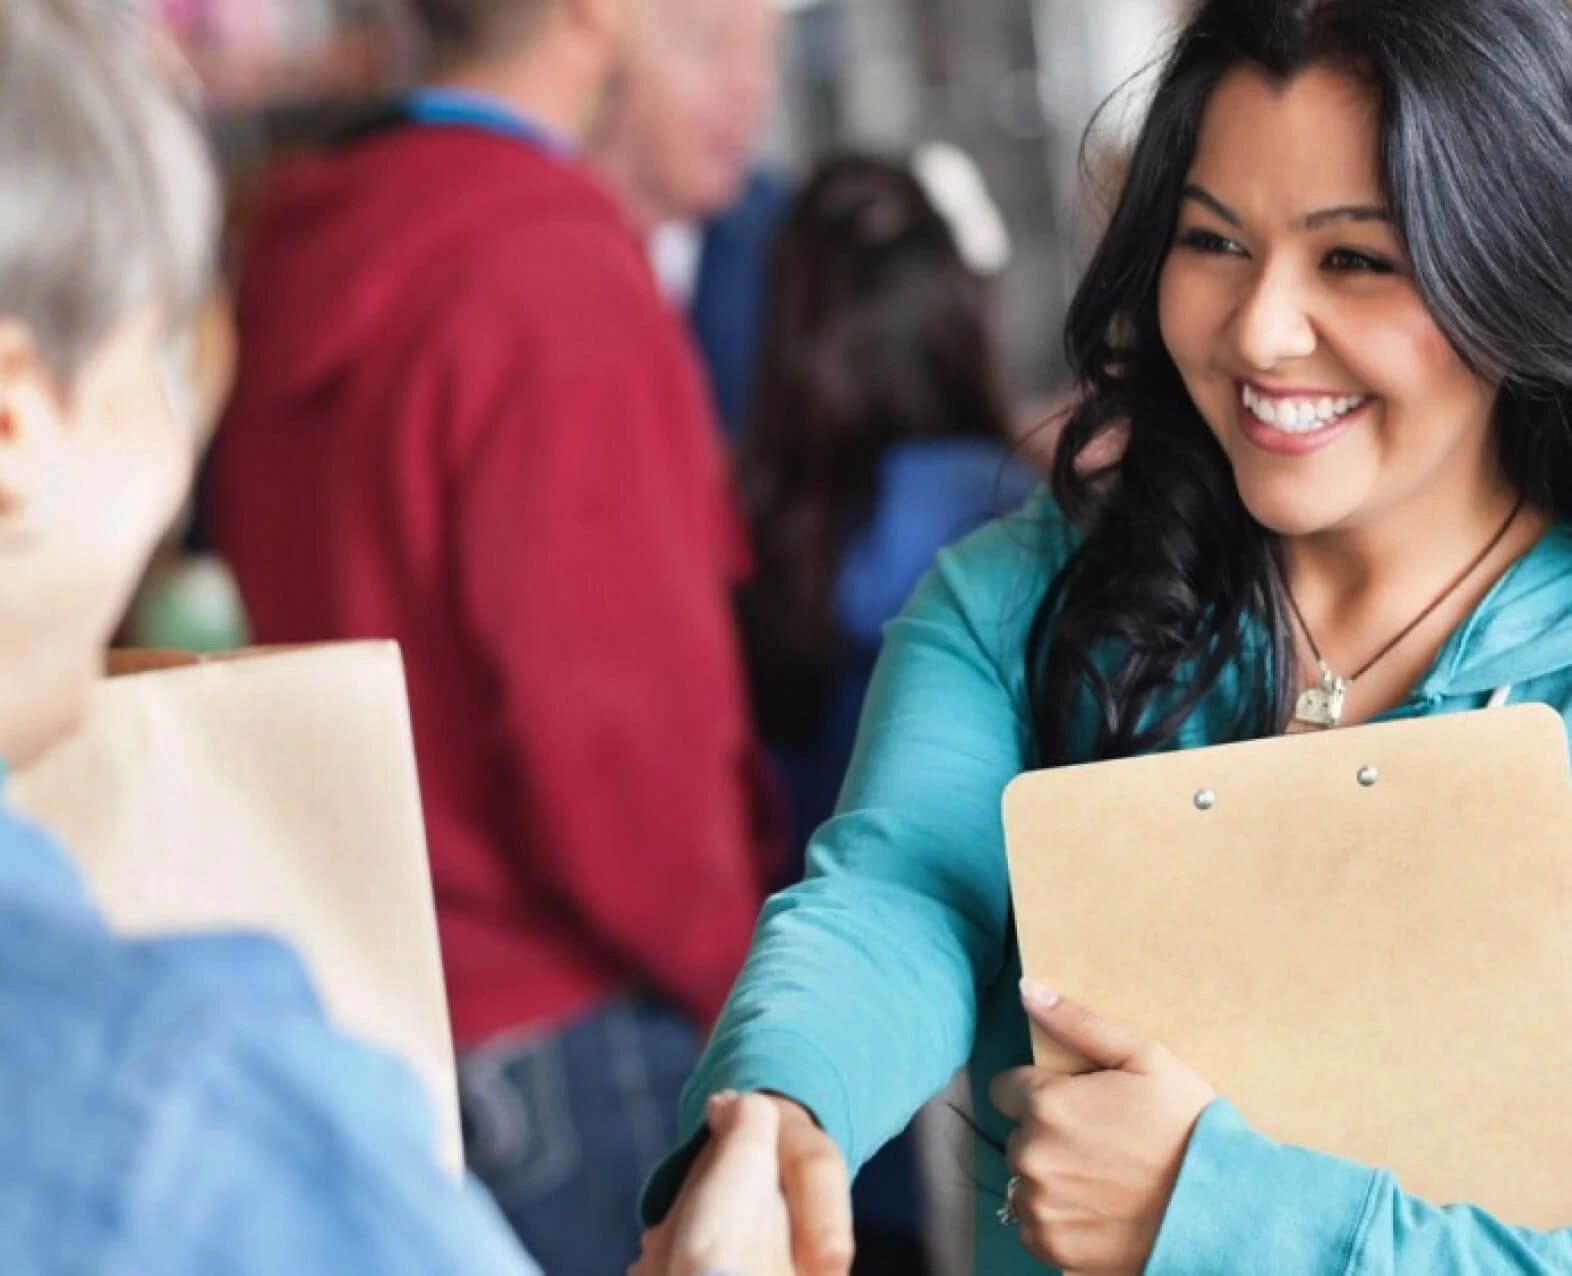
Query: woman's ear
<point>30,421</point>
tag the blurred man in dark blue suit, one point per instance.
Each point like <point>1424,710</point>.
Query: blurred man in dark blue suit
<point>727,306</point>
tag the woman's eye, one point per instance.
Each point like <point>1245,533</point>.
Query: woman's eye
<point>1209,241</point>
<point>1351,261</point>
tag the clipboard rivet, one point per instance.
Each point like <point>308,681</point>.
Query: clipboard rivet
<point>1205,800</point>
<point>1368,777</point>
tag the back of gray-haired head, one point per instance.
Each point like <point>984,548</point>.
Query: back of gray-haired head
<point>473,30</point>
<point>108,198</point>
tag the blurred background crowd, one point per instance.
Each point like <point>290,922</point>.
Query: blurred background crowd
<point>865,218</point>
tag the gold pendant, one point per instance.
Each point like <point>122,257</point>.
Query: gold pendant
<point>1322,705</point>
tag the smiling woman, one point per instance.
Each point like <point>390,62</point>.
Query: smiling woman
<point>1332,313</point>
<point>1342,371</point>
<point>1293,317</point>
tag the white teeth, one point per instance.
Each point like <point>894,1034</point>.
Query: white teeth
<point>1298,416</point>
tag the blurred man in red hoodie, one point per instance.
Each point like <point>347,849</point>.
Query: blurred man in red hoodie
<point>466,420</point>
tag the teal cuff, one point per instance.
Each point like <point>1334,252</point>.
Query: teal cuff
<point>778,1062</point>
<point>1251,1207</point>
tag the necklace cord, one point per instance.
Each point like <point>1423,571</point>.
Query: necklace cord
<point>1474,566</point>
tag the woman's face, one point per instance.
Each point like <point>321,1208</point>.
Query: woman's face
<point>1289,309</point>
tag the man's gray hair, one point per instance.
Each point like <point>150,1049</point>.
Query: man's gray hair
<point>108,197</point>
<point>467,30</point>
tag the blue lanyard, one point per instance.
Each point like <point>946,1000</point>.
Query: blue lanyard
<point>454,108</point>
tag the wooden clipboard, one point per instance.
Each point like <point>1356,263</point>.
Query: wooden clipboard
<point>274,791</point>
<point>1363,938</point>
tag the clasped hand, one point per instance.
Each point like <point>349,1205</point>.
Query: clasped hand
<point>1095,1159</point>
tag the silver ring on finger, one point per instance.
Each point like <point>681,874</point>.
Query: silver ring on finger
<point>1007,1215</point>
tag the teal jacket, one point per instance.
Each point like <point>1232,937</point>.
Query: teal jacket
<point>894,963</point>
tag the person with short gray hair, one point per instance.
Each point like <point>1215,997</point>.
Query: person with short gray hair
<point>110,201</point>
<point>172,1105</point>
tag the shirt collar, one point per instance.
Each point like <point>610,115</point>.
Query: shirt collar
<point>32,863</point>
<point>461,108</point>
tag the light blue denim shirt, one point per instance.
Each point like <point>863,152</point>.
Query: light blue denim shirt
<point>180,1106</point>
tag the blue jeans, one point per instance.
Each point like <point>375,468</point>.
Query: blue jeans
<point>564,1127</point>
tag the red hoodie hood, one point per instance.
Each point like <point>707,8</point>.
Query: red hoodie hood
<point>344,243</point>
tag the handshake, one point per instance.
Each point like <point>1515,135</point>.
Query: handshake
<point>1095,1159</point>
<point>768,1195</point>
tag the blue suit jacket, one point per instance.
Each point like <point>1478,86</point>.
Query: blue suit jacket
<point>727,313</point>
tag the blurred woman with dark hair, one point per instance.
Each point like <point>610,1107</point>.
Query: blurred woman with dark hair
<point>878,436</point>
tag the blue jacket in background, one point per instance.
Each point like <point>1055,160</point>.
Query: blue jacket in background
<point>894,963</point>
<point>180,1106</point>
<point>932,493</point>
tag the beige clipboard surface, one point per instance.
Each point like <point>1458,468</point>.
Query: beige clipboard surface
<point>275,791</point>
<point>1383,972</point>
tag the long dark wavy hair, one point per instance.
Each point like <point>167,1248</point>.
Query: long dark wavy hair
<point>877,333</point>
<point>1476,155</point>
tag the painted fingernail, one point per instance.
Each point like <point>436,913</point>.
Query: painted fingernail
<point>1037,995</point>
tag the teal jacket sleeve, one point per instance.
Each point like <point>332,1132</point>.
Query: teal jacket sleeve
<point>1252,1207</point>
<point>859,999</point>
